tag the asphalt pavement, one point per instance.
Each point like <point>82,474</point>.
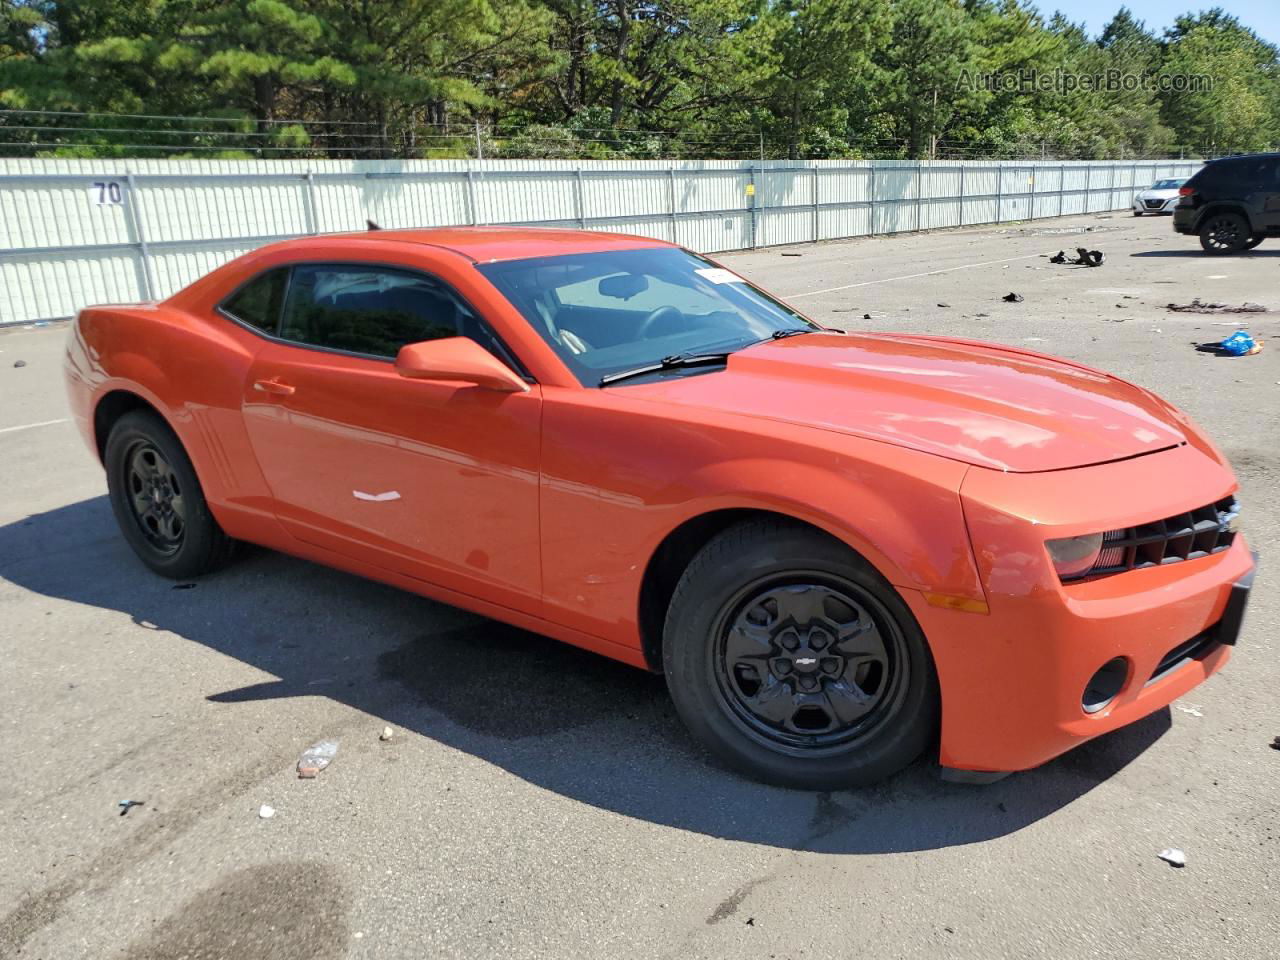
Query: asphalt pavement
<point>537,801</point>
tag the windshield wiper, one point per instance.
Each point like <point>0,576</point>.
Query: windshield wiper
<point>668,363</point>
<point>791,332</point>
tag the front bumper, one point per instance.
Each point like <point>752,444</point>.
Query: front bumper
<point>1165,206</point>
<point>1013,680</point>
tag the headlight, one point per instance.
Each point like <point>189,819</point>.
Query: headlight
<point>1074,556</point>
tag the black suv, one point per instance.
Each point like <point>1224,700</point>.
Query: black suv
<point>1232,204</point>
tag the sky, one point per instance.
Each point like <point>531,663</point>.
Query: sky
<point>1262,16</point>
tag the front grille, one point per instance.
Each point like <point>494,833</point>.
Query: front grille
<point>1198,533</point>
<point>1154,204</point>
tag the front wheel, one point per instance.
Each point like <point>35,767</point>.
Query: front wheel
<point>792,660</point>
<point>1256,239</point>
<point>1224,233</point>
<point>157,500</point>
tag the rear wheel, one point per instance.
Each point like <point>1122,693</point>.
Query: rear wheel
<point>795,662</point>
<point>157,499</point>
<point>1224,233</point>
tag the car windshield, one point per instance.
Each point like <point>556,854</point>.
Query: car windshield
<point>613,312</point>
<point>1167,184</point>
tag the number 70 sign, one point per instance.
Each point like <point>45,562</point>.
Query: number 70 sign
<point>105,193</point>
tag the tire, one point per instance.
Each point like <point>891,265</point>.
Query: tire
<point>742,619</point>
<point>1224,233</point>
<point>1137,213</point>
<point>158,502</point>
<point>1256,239</point>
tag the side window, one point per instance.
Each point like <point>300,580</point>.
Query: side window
<point>370,310</point>
<point>258,302</point>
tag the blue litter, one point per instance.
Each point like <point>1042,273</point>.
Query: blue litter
<point>1239,344</point>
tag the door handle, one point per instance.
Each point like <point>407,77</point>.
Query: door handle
<point>274,387</point>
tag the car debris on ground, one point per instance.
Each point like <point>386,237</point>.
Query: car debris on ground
<point>1275,744</point>
<point>315,758</point>
<point>386,734</point>
<point>19,363</point>
<point>1198,306</point>
<point>1012,298</point>
<point>127,805</point>
<point>1084,257</point>
<point>1174,856</point>
<point>266,811</point>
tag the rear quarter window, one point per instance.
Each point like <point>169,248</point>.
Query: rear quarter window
<point>258,302</point>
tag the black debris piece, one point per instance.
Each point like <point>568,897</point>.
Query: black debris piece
<point>944,304</point>
<point>126,805</point>
<point>1059,257</point>
<point>1275,744</point>
<point>371,225</point>
<point>19,363</point>
<point>1198,306</point>
<point>793,254</point>
<point>866,316</point>
<point>1089,258</point>
<point>1012,298</point>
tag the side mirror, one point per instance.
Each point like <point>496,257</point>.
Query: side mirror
<point>457,360</point>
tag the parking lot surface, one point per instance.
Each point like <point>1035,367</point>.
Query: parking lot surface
<point>536,801</point>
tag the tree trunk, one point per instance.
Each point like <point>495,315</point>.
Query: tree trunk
<point>619,54</point>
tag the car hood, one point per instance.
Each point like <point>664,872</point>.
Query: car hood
<point>984,404</point>
<point>1158,194</point>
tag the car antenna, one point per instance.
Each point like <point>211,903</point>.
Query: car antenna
<point>372,225</point>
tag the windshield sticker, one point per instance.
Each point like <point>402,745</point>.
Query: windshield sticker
<point>718,275</point>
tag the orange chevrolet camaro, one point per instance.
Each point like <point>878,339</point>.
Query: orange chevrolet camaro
<point>840,549</point>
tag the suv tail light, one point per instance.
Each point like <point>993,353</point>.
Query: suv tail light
<point>1186,191</point>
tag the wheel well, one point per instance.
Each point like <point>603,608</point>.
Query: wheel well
<point>110,409</point>
<point>669,561</point>
<point>1213,209</point>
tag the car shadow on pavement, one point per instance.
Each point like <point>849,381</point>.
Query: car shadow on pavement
<point>1194,252</point>
<point>566,720</point>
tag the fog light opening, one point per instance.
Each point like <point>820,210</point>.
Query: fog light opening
<point>1105,685</point>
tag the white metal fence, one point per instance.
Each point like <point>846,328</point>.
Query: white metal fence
<point>75,232</point>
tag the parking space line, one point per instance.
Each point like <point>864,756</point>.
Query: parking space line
<point>31,426</point>
<point>910,276</point>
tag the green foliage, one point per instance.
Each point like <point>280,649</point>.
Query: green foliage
<point>622,78</point>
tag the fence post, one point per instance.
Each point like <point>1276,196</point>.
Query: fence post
<point>999,191</point>
<point>313,211</point>
<point>135,217</point>
<point>472,207</point>
<point>871,195</point>
<point>671,197</point>
<point>753,206</point>
<point>579,199</point>
<point>1062,186</point>
<point>1088,178</point>
<point>1034,171</point>
<point>961,223</point>
<point>919,191</point>
<point>816,232</point>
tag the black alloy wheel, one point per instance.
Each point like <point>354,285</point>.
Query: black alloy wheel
<point>1224,233</point>
<point>155,498</point>
<point>791,659</point>
<point>804,664</point>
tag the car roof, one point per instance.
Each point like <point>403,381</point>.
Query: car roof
<point>1244,156</point>
<point>489,244</point>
